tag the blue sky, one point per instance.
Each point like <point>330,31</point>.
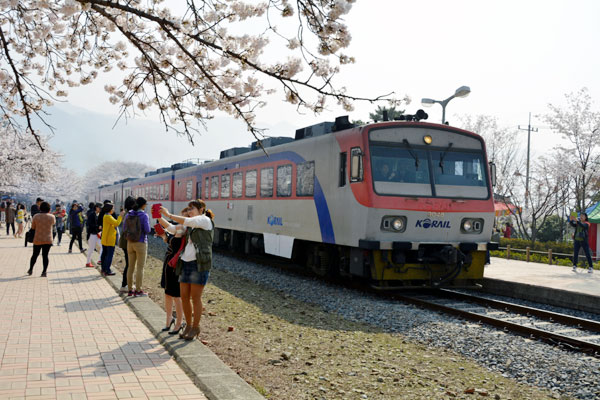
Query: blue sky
<point>516,56</point>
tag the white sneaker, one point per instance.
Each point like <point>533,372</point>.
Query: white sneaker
<point>574,268</point>
<point>590,271</point>
<point>124,289</point>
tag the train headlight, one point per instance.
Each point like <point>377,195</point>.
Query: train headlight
<point>467,225</point>
<point>398,224</point>
<point>427,139</point>
<point>471,225</point>
<point>393,223</point>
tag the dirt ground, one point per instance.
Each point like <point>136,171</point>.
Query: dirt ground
<point>287,349</point>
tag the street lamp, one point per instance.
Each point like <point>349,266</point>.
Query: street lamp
<point>462,91</point>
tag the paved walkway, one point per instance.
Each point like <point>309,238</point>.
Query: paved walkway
<point>551,276</point>
<point>70,336</point>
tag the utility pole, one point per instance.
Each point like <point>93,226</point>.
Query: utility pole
<point>529,130</point>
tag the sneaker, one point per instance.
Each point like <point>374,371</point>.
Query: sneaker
<point>140,293</point>
<point>89,265</point>
<point>110,273</point>
<point>130,293</point>
<point>99,262</point>
<point>83,250</point>
<point>70,250</point>
<point>124,289</point>
<point>574,268</point>
<point>590,271</point>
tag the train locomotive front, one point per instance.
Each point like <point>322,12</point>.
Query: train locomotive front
<point>421,210</point>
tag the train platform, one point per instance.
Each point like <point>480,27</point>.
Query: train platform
<point>549,284</point>
<point>71,336</point>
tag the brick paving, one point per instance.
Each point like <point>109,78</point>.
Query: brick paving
<point>70,336</point>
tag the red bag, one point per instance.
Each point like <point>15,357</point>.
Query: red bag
<point>173,261</point>
<point>159,229</point>
<point>156,210</point>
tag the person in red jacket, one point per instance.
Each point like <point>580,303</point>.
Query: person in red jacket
<point>507,231</point>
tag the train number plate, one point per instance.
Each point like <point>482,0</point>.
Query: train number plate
<point>434,214</point>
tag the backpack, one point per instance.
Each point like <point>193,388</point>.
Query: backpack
<point>133,228</point>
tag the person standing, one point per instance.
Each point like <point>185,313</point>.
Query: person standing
<point>136,232</point>
<point>93,231</point>
<point>60,214</point>
<point>169,280</point>
<point>76,224</point>
<point>128,204</point>
<point>580,240</point>
<point>10,217</point>
<point>507,231</point>
<point>195,262</point>
<point>109,237</point>
<point>20,219</point>
<point>34,210</point>
<point>42,241</point>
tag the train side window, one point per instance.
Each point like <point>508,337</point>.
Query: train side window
<point>199,189</point>
<point>167,192</point>
<point>189,185</point>
<point>343,159</point>
<point>305,179</point>
<point>225,186</point>
<point>251,183</point>
<point>236,186</point>
<point>356,165</point>
<point>266,182</point>
<point>206,187</point>
<point>284,180</point>
<point>214,187</point>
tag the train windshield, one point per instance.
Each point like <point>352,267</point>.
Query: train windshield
<point>399,169</point>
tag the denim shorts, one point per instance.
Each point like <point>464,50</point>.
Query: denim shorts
<point>190,274</point>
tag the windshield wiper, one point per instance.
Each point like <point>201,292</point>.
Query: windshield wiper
<point>411,153</point>
<point>444,155</point>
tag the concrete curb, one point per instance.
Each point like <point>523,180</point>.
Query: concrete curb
<point>208,372</point>
<point>541,294</point>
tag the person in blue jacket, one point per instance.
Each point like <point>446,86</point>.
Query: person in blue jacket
<point>76,219</point>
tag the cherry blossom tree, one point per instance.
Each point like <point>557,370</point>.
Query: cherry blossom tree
<point>186,64</point>
<point>579,123</point>
<point>22,164</point>
<point>111,171</point>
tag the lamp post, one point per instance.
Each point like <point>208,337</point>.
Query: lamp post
<point>462,91</point>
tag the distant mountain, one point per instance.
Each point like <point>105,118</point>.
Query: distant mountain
<point>87,138</point>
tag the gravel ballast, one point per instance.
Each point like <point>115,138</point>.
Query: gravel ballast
<point>294,337</point>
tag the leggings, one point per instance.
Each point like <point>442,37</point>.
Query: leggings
<point>45,248</point>
<point>76,234</point>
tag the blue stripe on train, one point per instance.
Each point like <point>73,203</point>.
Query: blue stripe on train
<point>327,235</point>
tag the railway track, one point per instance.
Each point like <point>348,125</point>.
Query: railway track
<point>570,332</point>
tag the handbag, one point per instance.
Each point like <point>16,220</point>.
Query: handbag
<point>173,261</point>
<point>30,235</point>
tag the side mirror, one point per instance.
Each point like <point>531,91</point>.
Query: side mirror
<point>493,172</point>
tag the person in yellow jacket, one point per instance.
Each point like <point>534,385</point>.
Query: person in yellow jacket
<point>109,237</point>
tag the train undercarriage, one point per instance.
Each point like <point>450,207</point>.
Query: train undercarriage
<point>430,265</point>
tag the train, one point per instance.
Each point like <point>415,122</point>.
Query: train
<point>400,204</point>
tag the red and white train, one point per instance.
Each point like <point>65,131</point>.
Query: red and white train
<point>400,203</point>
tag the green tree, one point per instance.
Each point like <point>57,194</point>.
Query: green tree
<point>551,230</point>
<point>391,112</point>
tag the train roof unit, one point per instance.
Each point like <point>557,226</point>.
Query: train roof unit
<point>234,151</point>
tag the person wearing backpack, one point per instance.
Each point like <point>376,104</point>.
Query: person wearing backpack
<point>136,230</point>
<point>194,262</point>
